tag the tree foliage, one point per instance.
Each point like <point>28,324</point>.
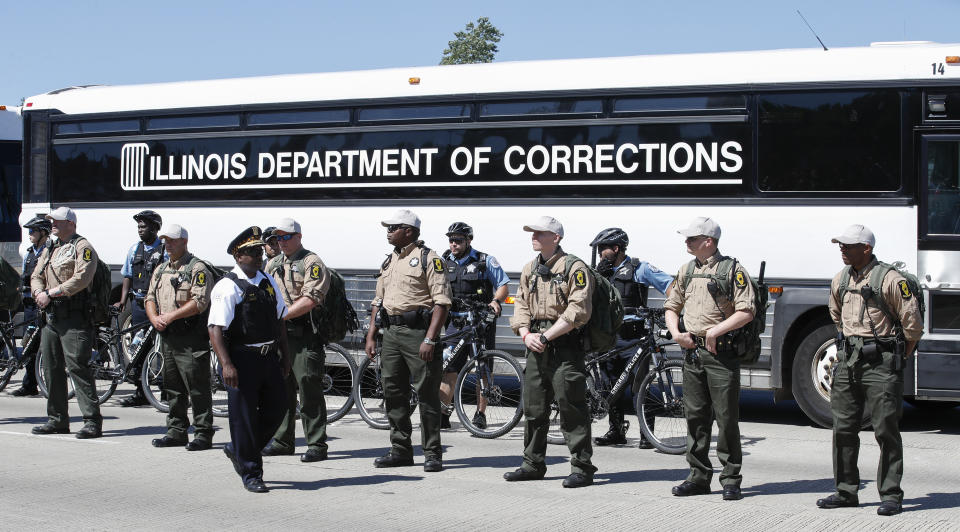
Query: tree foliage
<point>476,44</point>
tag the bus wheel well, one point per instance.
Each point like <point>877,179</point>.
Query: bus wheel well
<point>804,324</point>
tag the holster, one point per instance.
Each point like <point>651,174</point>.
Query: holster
<point>414,319</point>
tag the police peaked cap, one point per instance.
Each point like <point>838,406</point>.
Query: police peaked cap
<point>148,215</point>
<point>39,221</point>
<point>250,237</point>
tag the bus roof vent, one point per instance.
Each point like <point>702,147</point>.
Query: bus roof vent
<point>58,91</point>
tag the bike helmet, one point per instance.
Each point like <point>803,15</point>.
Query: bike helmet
<point>39,222</point>
<point>150,216</point>
<point>268,233</point>
<point>460,228</point>
<point>613,236</point>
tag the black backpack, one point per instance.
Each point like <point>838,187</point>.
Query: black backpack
<point>10,294</point>
<point>336,317</point>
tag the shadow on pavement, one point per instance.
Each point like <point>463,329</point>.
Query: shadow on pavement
<point>33,420</point>
<point>932,501</point>
<point>823,486</point>
<point>507,462</point>
<point>311,485</point>
<point>643,475</point>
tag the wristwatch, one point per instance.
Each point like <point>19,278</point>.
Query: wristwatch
<point>543,339</point>
<point>429,341</point>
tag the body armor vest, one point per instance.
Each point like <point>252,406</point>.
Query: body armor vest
<point>255,317</point>
<point>468,280</point>
<point>632,293</point>
<point>30,264</point>
<point>142,267</point>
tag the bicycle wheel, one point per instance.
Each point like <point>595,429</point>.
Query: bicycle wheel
<point>9,360</point>
<point>151,377</point>
<point>554,434</point>
<point>495,381</point>
<point>42,379</point>
<point>339,374</point>
<point>659,404</point>
<point>106,367</point>
<point>368,394</point>
<point>218,390</point>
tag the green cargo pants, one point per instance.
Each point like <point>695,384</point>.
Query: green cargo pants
<point>711,391</point>
<point>66,342</point>
<point>186,382</point>
<point>306,377</point>
<point>877,385</point>
<point>400,365</point>
<point>558,374</point>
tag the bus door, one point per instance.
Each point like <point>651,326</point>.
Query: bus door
<point>936,373</point>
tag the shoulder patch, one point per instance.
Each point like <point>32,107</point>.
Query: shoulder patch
<point>438,265</point>
<point>493,262</point>
<point>580,278</point>
<point>200,279</point>
<point>87,255</point>
<point>741,280</point>
<point>315,272</point>
<point>904,289</point>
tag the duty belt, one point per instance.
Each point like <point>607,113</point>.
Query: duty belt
<point>262,350</point>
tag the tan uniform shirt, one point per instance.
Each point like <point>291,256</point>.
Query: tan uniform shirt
<point>896,294</point>
<point>404,286</point>
<point>70,265</point>
<point>700,311</point>
<point>311,279</point>
<point>195,285</point>
<point>545,300</point>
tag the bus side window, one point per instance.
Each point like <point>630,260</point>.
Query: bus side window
<point>943,188</point>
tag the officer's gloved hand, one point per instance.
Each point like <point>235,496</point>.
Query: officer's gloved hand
<point>605,267</point>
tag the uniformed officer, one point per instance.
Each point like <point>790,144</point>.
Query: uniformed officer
<point>270,245</point>
<point>245,328</point>
<point>304,282</point>
<point>412,299</point>
<point>711,369</point>
<point>474,276</point>
<point>176,303</point>
<point>59,285</point>
<point>548,315</point>
<point>879,318</point>
<point>39,228</point>
<point>632,278</point>
<point>137,270</point>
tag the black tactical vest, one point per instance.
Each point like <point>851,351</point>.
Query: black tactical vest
<point>142,267</point>
<point>632,293</point>
<point>255,317</point>
<point>30,264</point>
<point>468,280</point>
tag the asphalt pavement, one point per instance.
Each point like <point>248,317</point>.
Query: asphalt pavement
<point>121,482</point>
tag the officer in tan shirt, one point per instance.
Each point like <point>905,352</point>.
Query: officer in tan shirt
<point>177,302</point>
<point>411,304</point>
<point>879,318</point>
<point>304,282</point>
<point>553,302</point>
<point>711,369</point>
<point>59,286</point>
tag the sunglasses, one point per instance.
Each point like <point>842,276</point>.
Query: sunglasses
<point>694,238</point>
<point>394,227</point>
<point>850,246</point>
<point>284,238</point>
<point>252,251</point>
<point>457,240</point>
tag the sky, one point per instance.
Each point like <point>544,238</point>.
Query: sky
<point>47,45</point>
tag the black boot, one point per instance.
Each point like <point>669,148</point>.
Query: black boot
<point>617,435</point>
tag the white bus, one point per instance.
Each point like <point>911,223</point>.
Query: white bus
<point>11,155</point>
<point>783,148</point>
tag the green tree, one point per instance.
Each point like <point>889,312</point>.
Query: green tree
<point>476,44</point>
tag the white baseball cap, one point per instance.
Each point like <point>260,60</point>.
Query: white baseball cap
<point>702,226</point>
<point>546,223</point>
<point>403,216</point>
<point>288,225</point>
<point>63,213</point>
<point>172,231</point>
<point>855,234</point>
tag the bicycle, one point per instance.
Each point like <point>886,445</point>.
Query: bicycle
<point>12,358</point>
<point>658,393</point>
<point>339,372</point>
<point>106,364</point>
<point>488,375</point>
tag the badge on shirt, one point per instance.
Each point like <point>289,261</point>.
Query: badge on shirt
<point>315,272</point>
<point>904,290</point>
<point>438,265</point>
<point>471,268</point>
<point>580,279</point>
<point>201,279</point>
<point>413,262</point>
<point>271,292</point>
<point>741,280</point>
<point>87,255</point>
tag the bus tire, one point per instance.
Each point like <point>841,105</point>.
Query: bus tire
<point>813,374</point>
